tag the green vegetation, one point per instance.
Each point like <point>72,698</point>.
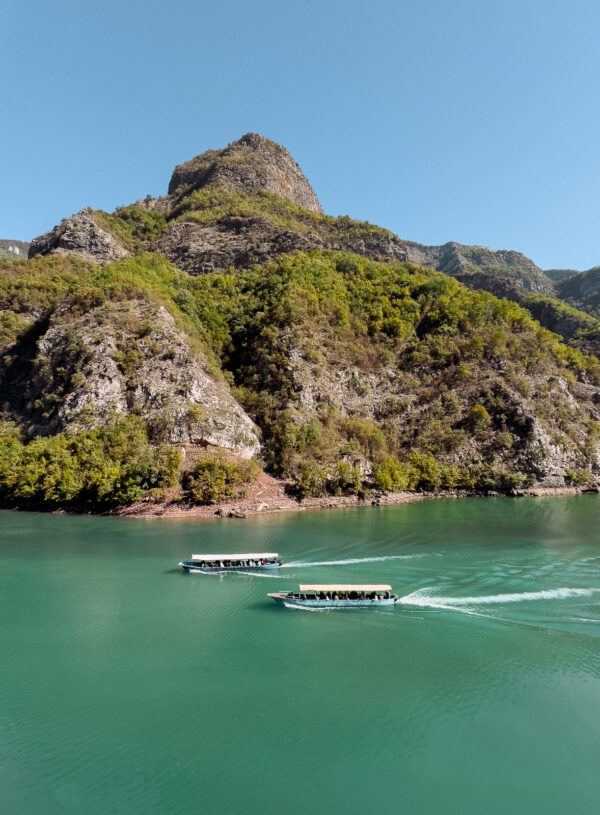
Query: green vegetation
<point>419,381</point>
<point>210,204</point>
<point>423,472</point>
<point>103,467</point>
<point>134,226</point>
<point>214,478</point>
<point>138,228</point>
<point>575,326</point>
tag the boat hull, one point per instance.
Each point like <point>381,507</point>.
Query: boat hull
<point>297,602</point>
<point>193,568</point>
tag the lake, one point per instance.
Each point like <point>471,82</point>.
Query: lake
<point>130,687</point>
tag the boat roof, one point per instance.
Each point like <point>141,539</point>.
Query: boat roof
<point>344,587</point>
<point>242,556</point>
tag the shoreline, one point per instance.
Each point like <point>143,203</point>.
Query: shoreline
<point>278,502</point>
<point>269,497</point>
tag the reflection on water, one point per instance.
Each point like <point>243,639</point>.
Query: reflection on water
<point>132,687</point>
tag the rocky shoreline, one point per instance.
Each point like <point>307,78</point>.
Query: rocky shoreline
<point>277,500</point>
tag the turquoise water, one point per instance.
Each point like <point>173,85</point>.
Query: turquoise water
<point>129,687</point>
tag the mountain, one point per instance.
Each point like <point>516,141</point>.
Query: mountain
<point>560,274</point>
<point>582,290</point>
<point>13,249</point>
<point>472,263</point>
<point>153,352</point>
<point>250,203</point>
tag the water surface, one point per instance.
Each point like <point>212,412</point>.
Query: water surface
<point>130,687</point>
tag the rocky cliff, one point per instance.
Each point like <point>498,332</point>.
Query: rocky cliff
<point>250,165</point>
<point>81,234</point>
<point>79,357</point>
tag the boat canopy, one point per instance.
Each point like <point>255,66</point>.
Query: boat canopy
<point>342,587</point>
<point>242,556</point>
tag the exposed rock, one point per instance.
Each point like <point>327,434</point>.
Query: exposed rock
<point>232,241</point>
<point>82,235</point>
<point>251,164</point>
<point>130,358</point>
<point>388,395</point>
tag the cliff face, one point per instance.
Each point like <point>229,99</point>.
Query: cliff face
<point>82,235</point>
<point>251,164</point>
<point>80,365</point>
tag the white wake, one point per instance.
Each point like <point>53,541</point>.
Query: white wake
<point>349,562</point>
<point>424,600</point>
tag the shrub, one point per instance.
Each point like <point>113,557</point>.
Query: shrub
<point>311,480</point>
<point>424,471</point>
<point>346,479</point>
<point>577,477</point>
<point>478,419</point>
<point>214,478</point>
<point>107,466</point>
<point>390,474</point>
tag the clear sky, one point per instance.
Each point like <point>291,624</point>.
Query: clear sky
<point>469,120</point>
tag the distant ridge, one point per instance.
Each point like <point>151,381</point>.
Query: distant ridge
<point>13,249</point>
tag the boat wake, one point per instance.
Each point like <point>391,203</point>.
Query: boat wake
<point>424,600</point>
<point>236,571</point>
<point>348,562</point>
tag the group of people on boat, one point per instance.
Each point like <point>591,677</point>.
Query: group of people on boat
<point>228,564</point>
<point>343,595</point>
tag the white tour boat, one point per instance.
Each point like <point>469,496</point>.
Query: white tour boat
<point>244,562</point>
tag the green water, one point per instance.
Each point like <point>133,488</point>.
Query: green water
<point>129,687</point>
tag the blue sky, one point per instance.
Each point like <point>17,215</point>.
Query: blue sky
<point>469,120</point>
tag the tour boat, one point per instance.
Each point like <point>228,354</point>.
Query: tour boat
<point>245,562</point>
<point>337,596</point>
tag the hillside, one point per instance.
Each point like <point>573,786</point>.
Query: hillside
<point>560,274</point>
<point>582,291</point>
<point>355,373</point>
<point>250,203</point>
<point>156,352</point>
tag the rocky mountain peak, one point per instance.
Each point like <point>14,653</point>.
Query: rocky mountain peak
<point>250,164</point>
